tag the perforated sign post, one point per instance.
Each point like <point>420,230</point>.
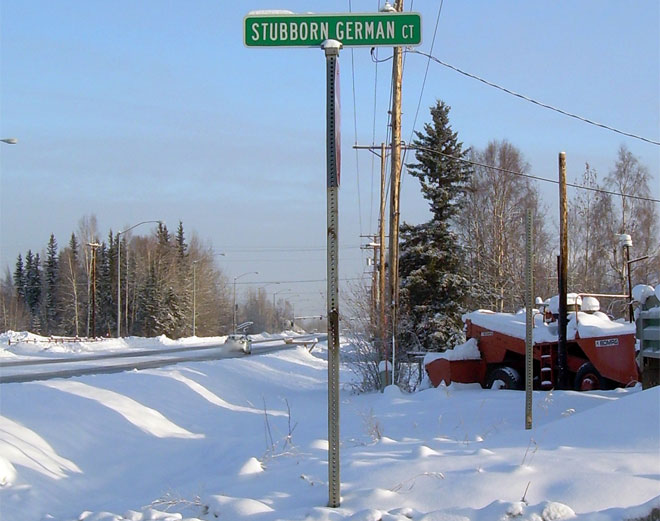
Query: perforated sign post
<point>331,32</point>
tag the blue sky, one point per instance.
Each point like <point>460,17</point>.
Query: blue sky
<point>156,110</point>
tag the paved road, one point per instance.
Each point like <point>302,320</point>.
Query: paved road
<point>66,367</point>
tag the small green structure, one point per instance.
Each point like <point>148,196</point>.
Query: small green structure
<point>648,334</point>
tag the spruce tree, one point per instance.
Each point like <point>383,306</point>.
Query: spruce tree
<point>163,235</point>
<point>149,304</point>
<point>106,321</point>
<point>433,285</point>
<point>50,287</point>
<point>33,289</point>
<point>181,246</point>
<point>19,278</point>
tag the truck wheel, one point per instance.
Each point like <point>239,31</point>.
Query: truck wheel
<point>588,378</point>
<point>504,378</point>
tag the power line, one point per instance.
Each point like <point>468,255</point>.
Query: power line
<point>296,281</point>
<point>357,162</point>
<point>538,178</point>
<point>426,73</point>
<point>373,141</point>
<point>531,100</point>
<point>284,249</point>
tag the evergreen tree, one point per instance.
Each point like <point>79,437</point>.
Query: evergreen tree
<point>156,280</point>
<point>181,246</point>
<point>50,286</point>
<point>106,321</point>
<point>149,300</point>
<point>433,286</point>
<point>162,235</point>
<point>19,278</point>
<point>33,288</point>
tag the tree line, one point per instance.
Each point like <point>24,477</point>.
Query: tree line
<point>165,280</point>
<point>471,253</point>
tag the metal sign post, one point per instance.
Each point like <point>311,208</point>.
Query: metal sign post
<point>332,32</point>
<point>529,303</point>
<point>331,48</point>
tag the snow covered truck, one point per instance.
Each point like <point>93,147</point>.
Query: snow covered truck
<point>600,351</point>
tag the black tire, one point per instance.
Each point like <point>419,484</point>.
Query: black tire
<point>588,378</point>
<point>508,376</point>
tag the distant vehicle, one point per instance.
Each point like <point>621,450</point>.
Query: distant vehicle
<point>238,342</point>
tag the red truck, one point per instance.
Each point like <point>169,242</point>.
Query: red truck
<point>600,352</point>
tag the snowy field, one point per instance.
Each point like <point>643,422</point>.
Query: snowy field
<point>246,438</point>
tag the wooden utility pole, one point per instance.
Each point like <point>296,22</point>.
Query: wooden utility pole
<point>395,173</point>
<point>384,290</point>
<point>94,246</point>
<point>563,275</point>
<point>382,322</point>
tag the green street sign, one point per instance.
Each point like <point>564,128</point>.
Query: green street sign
<point>351,29</point>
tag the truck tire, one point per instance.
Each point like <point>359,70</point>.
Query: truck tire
<point>588,378</point>
<point>505,377</point>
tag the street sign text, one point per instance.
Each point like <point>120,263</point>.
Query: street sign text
<point>351,29</point>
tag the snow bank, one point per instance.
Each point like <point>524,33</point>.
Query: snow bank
<point>247,438</point>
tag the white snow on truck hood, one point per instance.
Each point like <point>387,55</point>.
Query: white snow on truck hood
<point>588,325</point>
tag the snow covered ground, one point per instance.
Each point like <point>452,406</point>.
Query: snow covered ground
<point>246,438</point>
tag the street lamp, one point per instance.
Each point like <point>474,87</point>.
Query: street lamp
<point>265,286</point>
<point>277,293</point>
<point>194,264</point>
<point>9,140</point>
<point>119,271</point>
<point>275,316</point>
<point>235,279</point>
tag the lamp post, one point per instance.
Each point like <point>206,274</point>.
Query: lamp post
<point>277,293</point>
<point>194,264</point>
<point>119,271</point>
<point>273,310</point>
<point>235,279</point>
<point>9,140</point>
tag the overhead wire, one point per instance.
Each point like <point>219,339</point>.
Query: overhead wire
<point>421,92</point>
<point>532,100</point>
<point>355,132</point>
<point>538,178</point>
<point>302,281</point>
<point>426,73</point>
<point>373,137</point>
<point>284,249</point>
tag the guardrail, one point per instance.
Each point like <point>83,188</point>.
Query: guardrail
<point>58,340</point>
